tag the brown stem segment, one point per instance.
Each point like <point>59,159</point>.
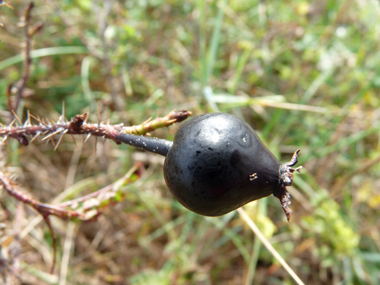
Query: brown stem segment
<point>28,60</point>
<point>79,126</point>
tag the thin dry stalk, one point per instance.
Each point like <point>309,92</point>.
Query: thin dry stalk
<point>67,252</point>
<point>268,245</point>
<point>29,33</point>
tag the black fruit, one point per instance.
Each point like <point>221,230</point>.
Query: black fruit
<point>217,163</point>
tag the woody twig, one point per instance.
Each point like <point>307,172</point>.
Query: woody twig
<point>91,206</point>
<point>29,33</point>
<point>78,125</point>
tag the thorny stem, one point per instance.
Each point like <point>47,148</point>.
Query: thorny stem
<point>286,173</point>
<point>79,126</point>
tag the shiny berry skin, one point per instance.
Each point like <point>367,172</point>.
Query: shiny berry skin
<point>218,163</point>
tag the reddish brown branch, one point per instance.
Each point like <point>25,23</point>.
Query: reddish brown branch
<point>44,209</point>
<point>79,126</point>
<point>103,197</point>
<point>28,60</point>
<point>136,170</point>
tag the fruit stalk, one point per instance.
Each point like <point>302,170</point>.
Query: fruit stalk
<point>151,144</point>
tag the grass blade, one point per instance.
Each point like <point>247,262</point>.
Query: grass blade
<point>268,245</point>
<point>42,53</point>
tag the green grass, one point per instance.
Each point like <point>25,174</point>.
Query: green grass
<point>304,74</point>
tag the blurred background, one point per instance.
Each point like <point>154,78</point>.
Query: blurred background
<point>303,74</point>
